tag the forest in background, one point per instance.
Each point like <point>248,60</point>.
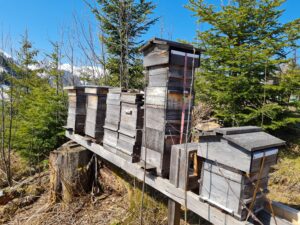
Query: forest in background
<point>249,74</point>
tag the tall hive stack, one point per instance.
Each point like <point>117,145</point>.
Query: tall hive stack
<point>169,68</point>
<point>235,168</point>
<point>96,111</point>
<point>77,109</point>
<point>131,125</point>
<point>112,120</point>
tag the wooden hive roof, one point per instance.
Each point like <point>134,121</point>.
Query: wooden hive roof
<point>251,138</point>
<point>174,45</point>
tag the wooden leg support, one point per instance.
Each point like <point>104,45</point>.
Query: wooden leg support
<point>173,213</point>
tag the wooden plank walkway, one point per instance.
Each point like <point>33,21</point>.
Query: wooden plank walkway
<point>204,210</point>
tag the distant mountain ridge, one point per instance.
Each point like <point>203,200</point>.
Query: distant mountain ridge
<point>69,78</point>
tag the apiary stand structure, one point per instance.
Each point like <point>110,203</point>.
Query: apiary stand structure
<point>204,203</point>
<point>205,210</point>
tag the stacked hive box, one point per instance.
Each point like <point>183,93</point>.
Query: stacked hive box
<point>169,67</point>
<point>131,125</point>
<point>236,164</point>
<point>77,109</point>
<point>96,111</point>
<point>112,120</point>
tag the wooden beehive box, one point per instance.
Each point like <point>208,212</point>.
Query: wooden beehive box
<point>96,111</point>
<point>235,161</point>
<point>169,68</point>
<point>112,120</point>
<point>131,125</point>
<point>76,109</point>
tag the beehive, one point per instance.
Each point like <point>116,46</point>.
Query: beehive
<point>112,120</point>
<point>96,111</point>
<point>131,125</point>
<point>76,109</point>
<point>169,67</point>
<point>235,170</point>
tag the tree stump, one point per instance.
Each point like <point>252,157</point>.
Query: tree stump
<point>71,172</point>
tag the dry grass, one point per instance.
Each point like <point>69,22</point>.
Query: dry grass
<point>284,182</point>
<point>19,169</point>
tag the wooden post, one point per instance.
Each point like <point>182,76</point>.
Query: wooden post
<point>71,172</point>
<point>173,213</point>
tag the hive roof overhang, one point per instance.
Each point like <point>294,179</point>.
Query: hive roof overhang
<point>174,45</point>
<point>251,138</point>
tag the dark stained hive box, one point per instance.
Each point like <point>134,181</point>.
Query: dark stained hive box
<point>76,109</point>
<point>169,68</point>
<point>235,160</point>
<point>131,125</point>
<point>112,120</point>
<point>96,111</point>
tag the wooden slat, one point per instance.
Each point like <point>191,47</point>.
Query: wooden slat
<point>156,55</point>
<point>232,156</point>
<point>284,211</point>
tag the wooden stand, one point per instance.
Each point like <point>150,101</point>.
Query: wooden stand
<point>173,212</point>
<point>71,172</point>
<point>208,212</point>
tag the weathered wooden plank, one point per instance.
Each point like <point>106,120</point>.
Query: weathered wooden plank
<point>159,150</point>
<point>173,212</point>
<point>155,118</point>
<point>96,90</point>
<point>232,156</point>
<point>216,189</point>
<point>180,158</point>
<point>156,55</point>
<point>133,98</point>
<point>290,214</point>
<point>267,218</point>
<point>131,117</point>
<point>110,137</point>
<point>76,109</point>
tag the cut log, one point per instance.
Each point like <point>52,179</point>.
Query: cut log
<point>71,172</point>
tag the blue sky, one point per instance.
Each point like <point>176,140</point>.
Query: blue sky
<point>44,19</point>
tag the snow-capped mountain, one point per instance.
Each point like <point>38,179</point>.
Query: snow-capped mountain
<point>69,77</point>
<point>5,66</point>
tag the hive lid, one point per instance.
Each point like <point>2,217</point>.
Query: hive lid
<point>237,130</point>
<point>173,44</point>
<point>116,90</point>
<point>81,87</point>
<point>96,89</point>
<point>254,141</point>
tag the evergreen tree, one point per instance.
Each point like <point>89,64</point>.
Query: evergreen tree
<point>240,77</point>
<point>53,71</point>
<point>123,22</point>
<point>40,108</point>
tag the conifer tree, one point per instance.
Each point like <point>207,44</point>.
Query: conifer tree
<point>122,23</point>
<point>39,107</point>
<point>245,46</point>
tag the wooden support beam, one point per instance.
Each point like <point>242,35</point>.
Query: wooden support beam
<point>204,210</point>
<point>284,211</point>
<point>173,213</point>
